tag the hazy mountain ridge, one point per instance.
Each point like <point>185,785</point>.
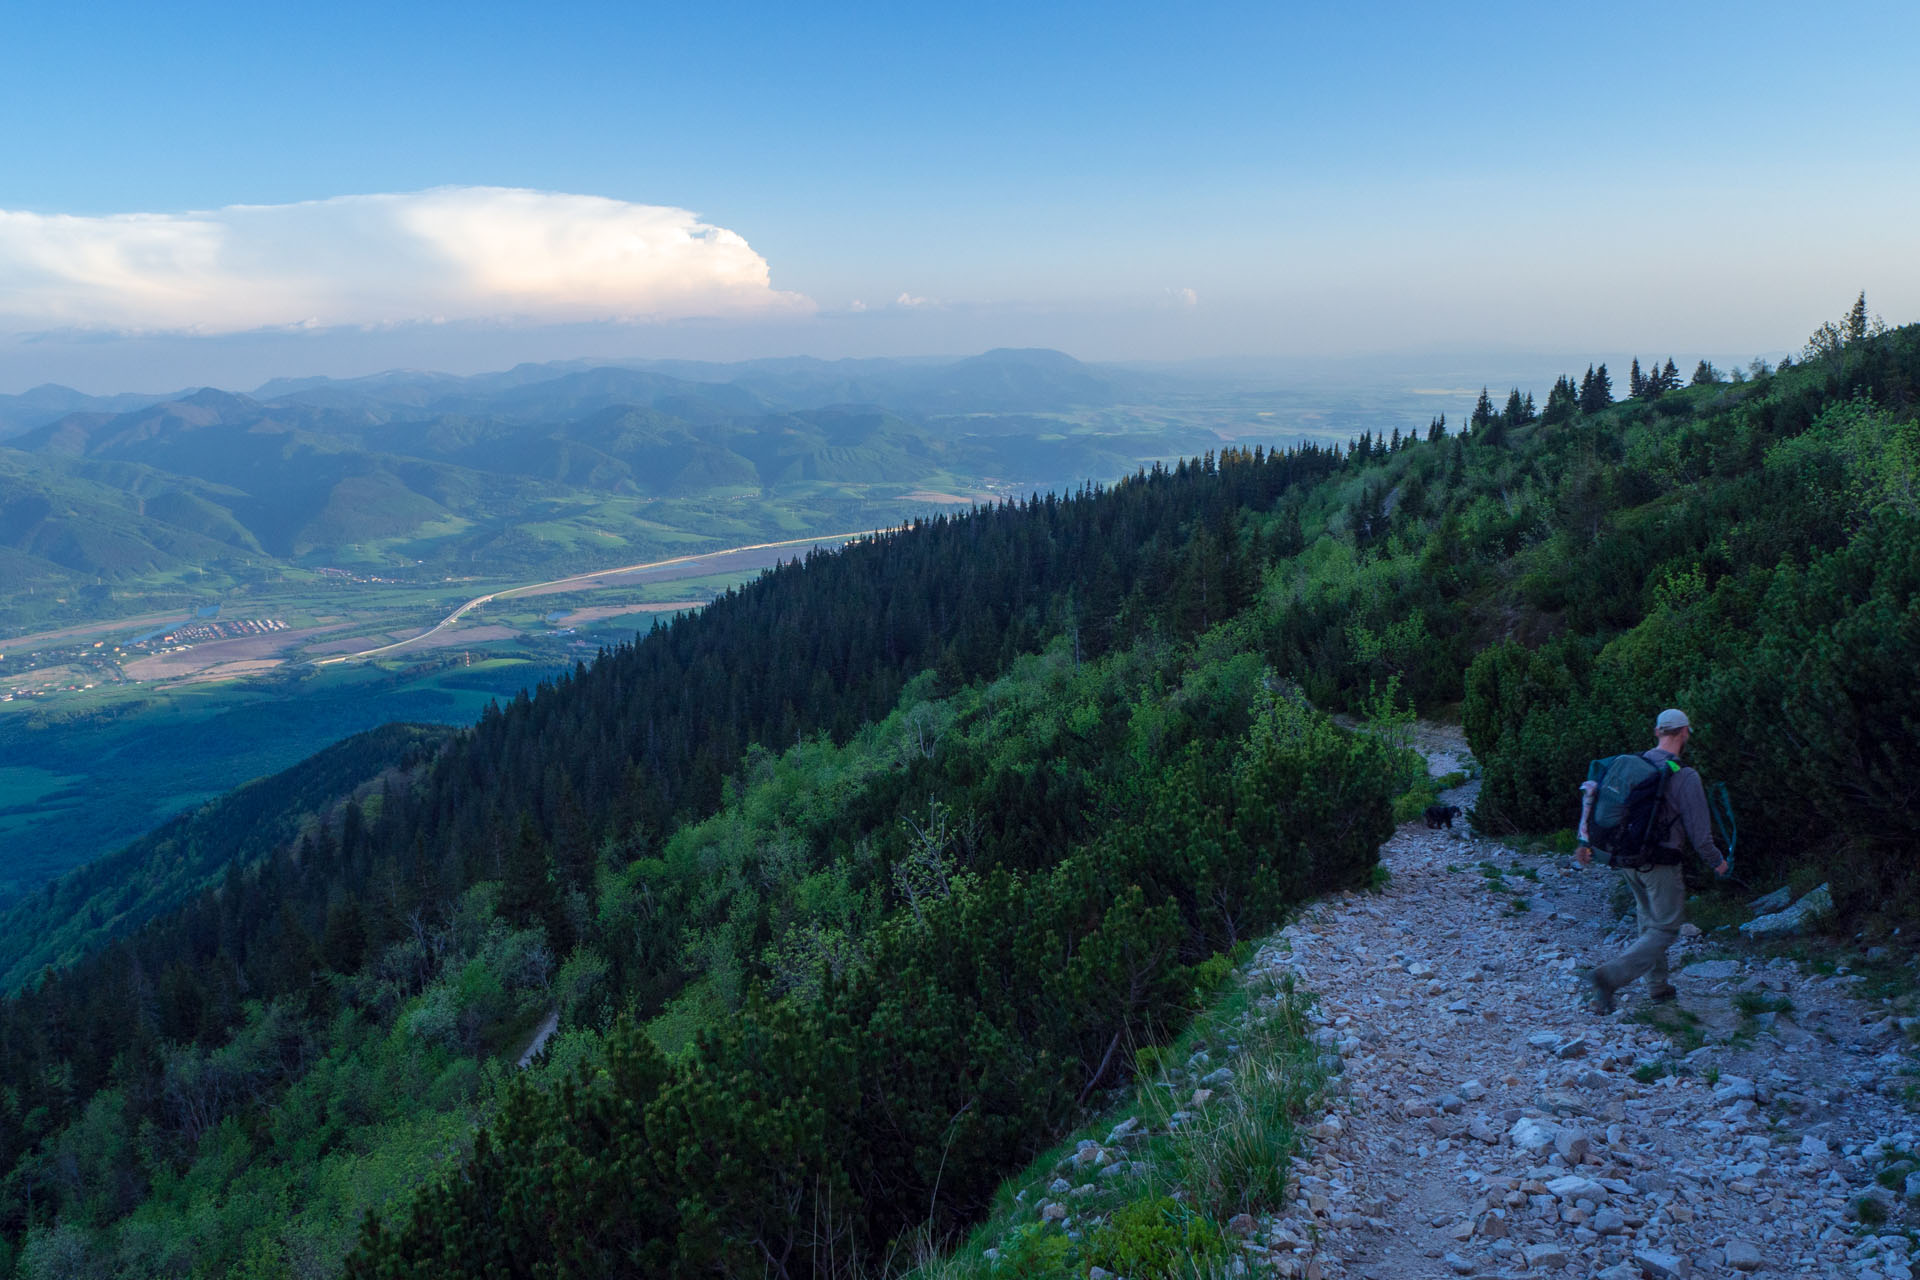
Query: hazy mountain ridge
<point>441,466</point>
<point>50,402</point>
<point>1031,379</point>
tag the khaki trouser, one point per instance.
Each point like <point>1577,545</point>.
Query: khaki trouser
<point>1660,899</point>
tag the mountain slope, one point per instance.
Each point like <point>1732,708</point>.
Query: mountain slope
<point>113,519</point>
<point>922,832</point>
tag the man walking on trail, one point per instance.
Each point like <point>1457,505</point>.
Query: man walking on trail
<point>1659,890</point>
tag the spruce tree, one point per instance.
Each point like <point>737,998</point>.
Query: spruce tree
<point>1636,381</point>
<point>1563,401</point>
<point>526,891</point>
<point>1596,389</point>
<point>1704,374</point>
<point>1516,410</point>
<point>1482,412</point>
<point>1857,318</point>
<point>1669,377</point>
<point>343,945</point>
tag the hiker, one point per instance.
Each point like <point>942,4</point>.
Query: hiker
<point>1650,859</point>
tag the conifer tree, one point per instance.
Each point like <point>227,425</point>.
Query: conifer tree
<point>1437,429</point>
<point>526,891</point>
<point>1669,377</point>
<point>1636,381</point>
<point>1596,389</point>
<point>344,943</point>
<point>1564,400</point>
<point>1704,374</point>
<point>1482,413</point>
<point>291,961</point>
<point>1516,411</point>
<point>1831,336</point>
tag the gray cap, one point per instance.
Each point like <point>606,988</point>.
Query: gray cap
<point>1671,720</point>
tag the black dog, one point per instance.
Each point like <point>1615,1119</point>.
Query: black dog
<point>1442,815</point>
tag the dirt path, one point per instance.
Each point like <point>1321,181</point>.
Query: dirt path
<point>1486,1123</point>
<point>541,1034</point>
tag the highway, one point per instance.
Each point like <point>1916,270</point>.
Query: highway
<point>557,583</point>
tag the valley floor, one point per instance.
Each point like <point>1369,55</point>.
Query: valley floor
<point>1486,1123</point>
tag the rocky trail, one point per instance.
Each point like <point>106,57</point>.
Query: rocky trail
<point>1486,1122</point>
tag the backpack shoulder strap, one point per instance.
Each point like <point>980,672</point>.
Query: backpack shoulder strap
<point>1667,775</point>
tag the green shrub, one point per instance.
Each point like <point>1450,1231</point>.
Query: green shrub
<point>1036,1251</point>
<point>1412,804</point>
<point>1149,1239</point>
<point>1210,973</point>
<point>977,1028</point>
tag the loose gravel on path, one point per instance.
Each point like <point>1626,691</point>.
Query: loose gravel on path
<point>1485,1122</point>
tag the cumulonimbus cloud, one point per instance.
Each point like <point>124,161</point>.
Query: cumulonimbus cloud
<point>452,253</point>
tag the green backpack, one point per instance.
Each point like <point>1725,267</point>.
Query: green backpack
<point>1626,807</point>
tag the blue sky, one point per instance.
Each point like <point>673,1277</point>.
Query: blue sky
<point>1118,181</point>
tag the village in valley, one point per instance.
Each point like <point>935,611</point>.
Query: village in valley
<point>43,666</point>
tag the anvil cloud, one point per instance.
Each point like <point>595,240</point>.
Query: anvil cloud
<point>452,253</point>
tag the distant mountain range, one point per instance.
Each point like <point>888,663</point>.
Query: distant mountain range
<point>999,381</point>
<point>424,467</point>
<point>50,402</point>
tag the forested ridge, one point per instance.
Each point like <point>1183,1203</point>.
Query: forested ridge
<point>854,888</point>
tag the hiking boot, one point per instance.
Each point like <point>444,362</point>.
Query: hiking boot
<point>1663,994</point>
<point>1601,998</point>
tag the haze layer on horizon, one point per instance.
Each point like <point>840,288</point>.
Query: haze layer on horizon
<point>462,189</point>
